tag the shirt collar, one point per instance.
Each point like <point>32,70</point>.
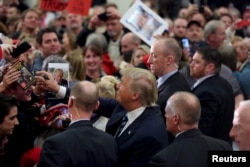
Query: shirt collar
<point>202,79</point>
<point>78,121</point>
<point>132,115</point>
<point>163,78</point>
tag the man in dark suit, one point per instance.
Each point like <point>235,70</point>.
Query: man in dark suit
<point>80,144</point>
<point>164,59</point>
<point>144,132</point>
<point>190,148</point>
<point>215,94</point>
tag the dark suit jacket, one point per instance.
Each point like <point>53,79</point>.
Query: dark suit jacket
<point>142,139</point>
<point>189,149</point>
<point>217,107</point>
<point>173,84</point>
<point>64,82</point>
<point>79,145</point>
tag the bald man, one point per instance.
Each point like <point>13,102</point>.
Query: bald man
<point>240,131</point>
<point>129,43</point>
<point>77,145</point>
<point>182,114</point>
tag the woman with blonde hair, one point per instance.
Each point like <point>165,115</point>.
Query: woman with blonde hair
<point>106,87</point>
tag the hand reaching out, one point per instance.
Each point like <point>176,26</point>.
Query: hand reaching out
<point>47,80</point>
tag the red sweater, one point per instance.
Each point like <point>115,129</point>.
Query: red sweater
<point>108,65</point>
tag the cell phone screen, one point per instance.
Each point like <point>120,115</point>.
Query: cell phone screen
<point>185,44</point>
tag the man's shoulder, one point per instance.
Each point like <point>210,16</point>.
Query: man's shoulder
<point>151,122</point>
<point>201,141</point>
<point>211,81</point>
<point>176,82</point>
<point>216,144</point>
<point>81,132</point>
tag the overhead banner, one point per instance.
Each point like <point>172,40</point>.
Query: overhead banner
<point>53,5</point>
<point>80,7</point>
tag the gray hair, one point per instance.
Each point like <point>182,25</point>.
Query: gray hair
<point>98,40</point>
<point>185,104</point>
<point>211,27</point>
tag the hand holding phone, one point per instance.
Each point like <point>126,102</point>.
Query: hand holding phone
<point>243,23</point>
<point>20,49</point>
<point>185,44</point>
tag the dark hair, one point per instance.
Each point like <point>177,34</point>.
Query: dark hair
<point>211,55</point>
<point>6,103</point>
<point>95,49</point>
<point>39,36</point>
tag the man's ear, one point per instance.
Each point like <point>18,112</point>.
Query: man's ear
<point>176,119</point>
<point>209,68</point>
<point>70,102</point>
<point>97,105</point>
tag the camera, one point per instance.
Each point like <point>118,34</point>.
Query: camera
<point>201,9</point>
<point>60,31</point>
<point>103,16</point>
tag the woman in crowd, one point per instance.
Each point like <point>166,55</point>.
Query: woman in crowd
<point>93,60</point>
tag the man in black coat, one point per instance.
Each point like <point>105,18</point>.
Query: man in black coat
<point>80,144</point>
<point>190,147</point>
<point>164,59</point>
<point>215,94</point>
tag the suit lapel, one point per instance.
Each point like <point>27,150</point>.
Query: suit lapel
<point>166,83</point>
<point>114,122</point>
<point>131,129</point>
<point>205,81</point>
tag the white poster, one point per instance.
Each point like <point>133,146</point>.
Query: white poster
<point>144,22</point>
<point>52,67</point>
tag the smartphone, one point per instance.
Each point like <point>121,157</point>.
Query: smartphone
<point>21,48</point>
<point>185,44</point>
<point>103,16</point>
<point>200,4</point>
<point>242,23</point>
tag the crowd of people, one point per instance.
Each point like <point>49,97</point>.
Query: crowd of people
<point>124,103</point>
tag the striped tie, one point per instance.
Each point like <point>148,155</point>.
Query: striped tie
<point>122,125</point>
